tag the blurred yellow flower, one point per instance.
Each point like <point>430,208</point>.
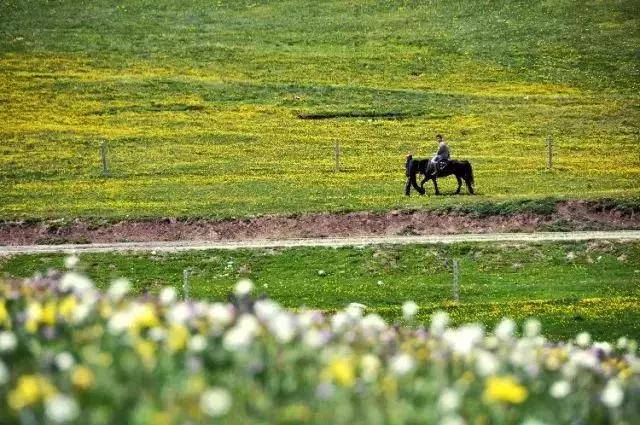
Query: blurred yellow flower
<point>29,390</point>
<point>504,388</point>
<point>82,377</point>
<point>341,370</point>
<point>67,307</point>
<point>177,339</point>
<point>147,352</point>
<point>49,313</point>
<point>4,315</point>
<point>146,317</point>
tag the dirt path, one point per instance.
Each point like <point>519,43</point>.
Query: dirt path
<point>176,246</point>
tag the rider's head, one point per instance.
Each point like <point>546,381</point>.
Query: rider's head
<point>439,138</point>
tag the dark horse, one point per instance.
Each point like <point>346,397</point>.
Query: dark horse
<point>461,169</point>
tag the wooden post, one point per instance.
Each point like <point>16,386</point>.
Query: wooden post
<point>549,153</point>
<point>103,154</point>
<point>456,273</point>
<point>185,284</point>
<point>336,149</point>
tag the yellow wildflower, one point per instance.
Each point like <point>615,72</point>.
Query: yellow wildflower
<point>147,317</point>
<point>177,337</point>
<point>67,307</point>
<point>504,388</point>
<point>29,390</point>
<point>341,370</point>
<point>49,313</point>
<point>82,377</point>
<point>147,352</point>
<point>4,315</point>
<point>196,384</point>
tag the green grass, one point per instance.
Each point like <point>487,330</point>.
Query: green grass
<point>598,290</point>
<point>199,103</point>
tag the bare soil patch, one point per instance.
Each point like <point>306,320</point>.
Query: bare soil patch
<point>569,216</point>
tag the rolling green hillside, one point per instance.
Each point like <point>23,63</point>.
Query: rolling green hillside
<point>200,103</point>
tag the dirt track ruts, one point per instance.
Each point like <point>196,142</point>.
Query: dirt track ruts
<point>175,246</point>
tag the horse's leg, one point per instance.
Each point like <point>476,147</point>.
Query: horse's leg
<point>407,187</point>
<point>469,187</point>
<point>414,183</point>
<point>435,185</point>
<point>423,181</point>
<point>459,185</point>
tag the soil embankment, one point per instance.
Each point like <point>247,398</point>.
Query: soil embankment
<point>568,216</point>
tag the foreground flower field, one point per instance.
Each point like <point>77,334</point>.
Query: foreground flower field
<point>70,353</point>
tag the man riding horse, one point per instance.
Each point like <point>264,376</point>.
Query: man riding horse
<point>441,158</point>
<point>439,166</point>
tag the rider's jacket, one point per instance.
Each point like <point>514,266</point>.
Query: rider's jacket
<point>443,153</point>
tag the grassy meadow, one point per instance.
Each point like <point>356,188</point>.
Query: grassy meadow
<point>570,287</point>
<point>200,102</point>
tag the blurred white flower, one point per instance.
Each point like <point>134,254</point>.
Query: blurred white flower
<point>61,409</point>
<point>241,335</point>
<point>283,327</point>
<point>373,323</point>
<point>505,329</point>
<point>82,311</point>
<point>313,338</point>
<point>4,373</point>
<point>64,361</point>
<point>119,321</point>
<point>401,364</point>
<point>452,420</point>
<point>532,421</point>
<point>463,339</point>
<point>243,288</point>
<point>532,328</point>
<point>355,310</point>
<point>157,333</point>
<point>612,395</point>
<point>118,289</point>
<point>439,322</point>
<point>178,313</point>
<point>266,309</point>
<point>75,282</point>
<point>236,339</point>
<point>409,310</point>
<point>622,343</point>
<point>8,341</point>
<point>339,321</point>
<point>560,389</point>
<point>71,261</point>
<point>380,283</point>
<point>215,402</point>
<point>583,339</point>
<point>449,400</point>
<point>168,295</point>
<point>584,359</point>
<point>197,343</point>
<point>248,323</point>
<point>605,347</point>
<point>486,363</point>
<point>220,314</point>
<point>370,367</point>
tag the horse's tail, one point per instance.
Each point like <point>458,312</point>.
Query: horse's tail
<point>470,173</point>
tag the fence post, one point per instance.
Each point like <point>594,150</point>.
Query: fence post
<point>185,284</point>
<point>336,149</point>
<point>456,276</point>
<point>549,152</point>
<point>103,154</point>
